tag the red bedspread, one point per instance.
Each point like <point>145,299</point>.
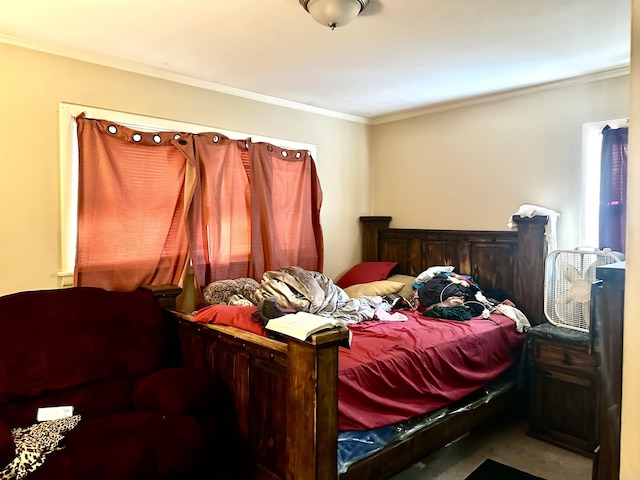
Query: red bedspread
<point>397,370</point>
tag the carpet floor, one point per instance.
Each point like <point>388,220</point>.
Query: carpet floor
<point>504,440</point>
<point>492,470</point>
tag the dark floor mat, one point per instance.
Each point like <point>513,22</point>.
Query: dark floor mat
<point>492,470</point>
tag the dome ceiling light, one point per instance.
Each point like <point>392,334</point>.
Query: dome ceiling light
<point>334,13</point>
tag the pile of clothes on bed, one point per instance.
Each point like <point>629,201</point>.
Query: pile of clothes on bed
<point>296,289</point>
<point>439,292</point>
<point>449,295</point>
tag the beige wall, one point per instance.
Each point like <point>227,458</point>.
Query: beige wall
<point>472,167</point>
<point>32,84</point>
<point>630,436</point>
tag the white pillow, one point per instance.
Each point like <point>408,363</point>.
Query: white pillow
<point>431,272</point>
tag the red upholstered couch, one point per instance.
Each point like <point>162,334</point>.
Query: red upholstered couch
<point>108,355</point>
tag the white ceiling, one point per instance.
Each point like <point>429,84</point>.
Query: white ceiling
<point>398,56</point>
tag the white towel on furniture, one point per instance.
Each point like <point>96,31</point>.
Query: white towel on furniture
<point>527,210</point>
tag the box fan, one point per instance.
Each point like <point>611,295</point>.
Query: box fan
<point>569,275</point>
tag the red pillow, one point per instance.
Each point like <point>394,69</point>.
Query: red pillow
<point>366,272</point>
<point>232,315</point>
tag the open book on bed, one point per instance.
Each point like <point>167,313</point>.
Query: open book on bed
<point>302,325</point>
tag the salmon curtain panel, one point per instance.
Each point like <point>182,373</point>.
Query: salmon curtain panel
<point>131,207</point>
<point>149,202</point>
<point>286,221</point>
<point>219,220</point>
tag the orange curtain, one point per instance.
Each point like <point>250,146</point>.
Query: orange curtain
<point>285,210</point>
<point>219,219</point>
<point>150,201</point>
<point>131,207</point>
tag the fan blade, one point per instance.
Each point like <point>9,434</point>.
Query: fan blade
<point>569,272</point>
<point>581,291</point>
<point>564,298</point>
<point>591,271</point>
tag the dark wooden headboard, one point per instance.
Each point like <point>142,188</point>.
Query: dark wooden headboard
<point>509,261</point>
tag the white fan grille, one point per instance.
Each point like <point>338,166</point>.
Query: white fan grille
<point>569,275</point>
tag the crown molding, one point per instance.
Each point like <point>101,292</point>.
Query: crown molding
<point>148,70</point>
<point>142,69</point>
<point>505,94</point>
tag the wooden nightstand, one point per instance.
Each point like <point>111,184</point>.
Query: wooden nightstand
<point>564,400</point>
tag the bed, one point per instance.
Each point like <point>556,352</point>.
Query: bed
<point>286,392</point>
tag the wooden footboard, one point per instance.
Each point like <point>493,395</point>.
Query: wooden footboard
<point>285,391</point>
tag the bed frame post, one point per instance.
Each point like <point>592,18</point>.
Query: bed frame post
<point>529,268</point>
<point>312,416</point>
<point>165,295</point>
<point>370,228</point>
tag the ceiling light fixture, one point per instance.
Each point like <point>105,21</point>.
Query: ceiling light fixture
<point>334,13</point>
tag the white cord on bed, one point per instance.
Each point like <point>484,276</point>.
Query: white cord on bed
<point>442,291</point>
<point>485,312</point>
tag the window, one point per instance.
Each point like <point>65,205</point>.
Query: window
<point>590,195</point>
<point>69,164</point>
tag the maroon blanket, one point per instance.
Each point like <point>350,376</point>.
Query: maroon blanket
<point>397,370</point>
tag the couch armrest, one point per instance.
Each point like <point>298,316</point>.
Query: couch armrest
<point>175,391</point>
<point>7,447</point>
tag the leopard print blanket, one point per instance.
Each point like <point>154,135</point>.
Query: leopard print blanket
<point>34,444</point>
